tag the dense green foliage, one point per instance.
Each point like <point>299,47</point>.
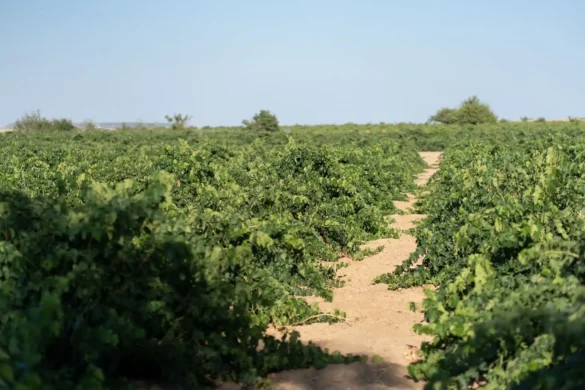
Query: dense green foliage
<point>34,122</point>
<point>124,254</point>
<point>262,121</point>
<point>423,137</point>
<point>504,241</point>
<point>446,116</point>
<point>168,253</point>
<point>120,286</point>
<point>472,111</point>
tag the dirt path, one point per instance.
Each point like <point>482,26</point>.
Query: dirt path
<point>378,320</point>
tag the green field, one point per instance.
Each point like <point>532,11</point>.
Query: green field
<point>167,253</point>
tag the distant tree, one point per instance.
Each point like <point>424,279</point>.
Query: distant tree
<point>503,120</point>
<point>62,125</point>
<point>178,121</point>
<point>471,111</point>
<point>541,119</point>
<point>262,121</point>
<point>33,121</point>
<point>447,116</point>
<point>524,119</point>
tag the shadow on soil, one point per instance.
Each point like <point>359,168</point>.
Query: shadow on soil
<point>366,376</point>
<point>354,376</point>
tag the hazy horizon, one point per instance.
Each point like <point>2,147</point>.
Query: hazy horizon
<point>103,123</point>
<point>308,62</point>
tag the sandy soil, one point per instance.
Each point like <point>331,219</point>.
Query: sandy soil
<point>378,320</point>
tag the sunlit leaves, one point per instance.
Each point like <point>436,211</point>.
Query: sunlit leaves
<point>503,241</point>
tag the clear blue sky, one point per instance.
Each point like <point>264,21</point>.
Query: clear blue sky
<point>308,61</point>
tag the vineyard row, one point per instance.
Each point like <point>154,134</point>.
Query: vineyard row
<point>504,241</point>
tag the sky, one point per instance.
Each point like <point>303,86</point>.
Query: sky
<point>307,61</point>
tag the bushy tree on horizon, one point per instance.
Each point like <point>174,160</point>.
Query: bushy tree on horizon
<point>63,125</point>
<point>447,116</point>
<point>178,121</point>
<point>471,111</point>
<point>262,121</point>
<point>34,121</point>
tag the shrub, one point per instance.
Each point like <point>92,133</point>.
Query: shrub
<point>447,116</point>
<point>178,121</point>
<point>63,125</point>
<point>541,119</point>
<point>472,111</point>
<point>33,121</point>
<point>262,121</point>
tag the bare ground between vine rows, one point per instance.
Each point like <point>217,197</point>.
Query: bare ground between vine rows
<point>379,321</point>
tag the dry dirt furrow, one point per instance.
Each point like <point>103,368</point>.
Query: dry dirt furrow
<point>378,320</point>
